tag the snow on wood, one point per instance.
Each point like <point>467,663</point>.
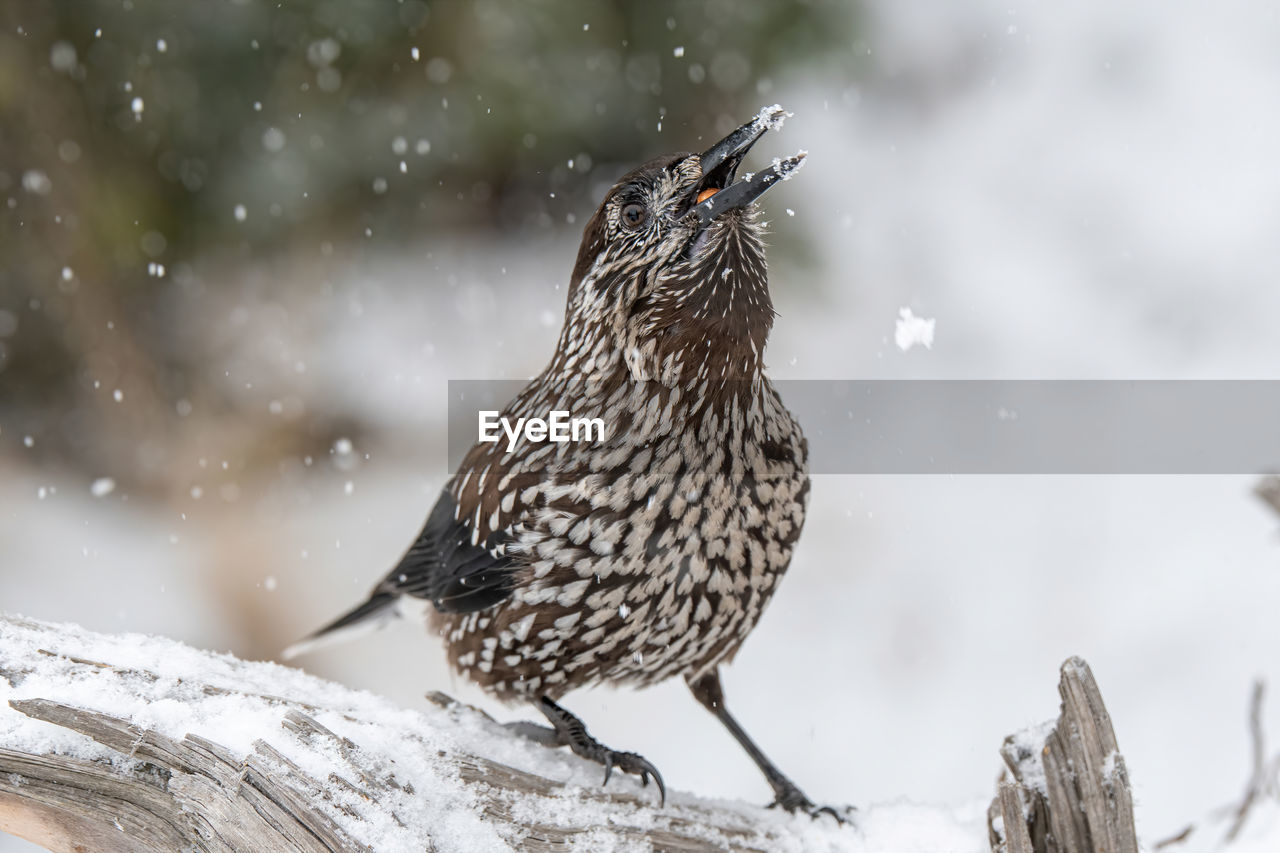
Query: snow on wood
<point>1070,789</point>
<point>129,743</point>
<point>125,743</point>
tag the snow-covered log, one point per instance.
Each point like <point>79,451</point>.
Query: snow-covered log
<point>131,743</point>
<point>1069,789</point>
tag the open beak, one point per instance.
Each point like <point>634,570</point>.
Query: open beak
<point>716,192</point>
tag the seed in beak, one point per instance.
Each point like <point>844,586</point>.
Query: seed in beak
<point>706,194</point>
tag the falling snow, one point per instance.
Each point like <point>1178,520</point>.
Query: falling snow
<point>911,330</point>
<point>895,218</point>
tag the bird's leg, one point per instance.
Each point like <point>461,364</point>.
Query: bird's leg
<point>710,694</point>
<point>573,733</point>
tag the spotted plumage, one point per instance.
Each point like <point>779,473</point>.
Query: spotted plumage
<point>653,552</point>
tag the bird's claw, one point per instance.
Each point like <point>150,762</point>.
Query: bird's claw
<point>636,765</point>
<point>572,733</point>
<point>793,800</point>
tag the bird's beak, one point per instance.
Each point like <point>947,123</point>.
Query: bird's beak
<point>716,193</point>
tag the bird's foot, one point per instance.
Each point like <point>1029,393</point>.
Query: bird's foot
<point>544,735</point>
<point>571,732</point>
<point>788,796</point>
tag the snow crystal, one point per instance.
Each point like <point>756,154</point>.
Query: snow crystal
<point>273,138</point>
<point>162,45</point>
<point>771,118</point>
<point>102,487</point>
<point>117,395</point>
<point>240,213</point>
<point>323,51</point>
<point>153,243</point>
<point>137,106</point>
<point>37,182</point>
<point>788,166</point>
<point>439,70</point>
<point>62,56</point>
<point>678,52</point>
<point>911,330</point>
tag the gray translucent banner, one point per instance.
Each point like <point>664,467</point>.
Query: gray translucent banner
<point>998,426</point>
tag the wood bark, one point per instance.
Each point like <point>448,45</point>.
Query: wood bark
<point>1067,789</point>
<point>154,792</point>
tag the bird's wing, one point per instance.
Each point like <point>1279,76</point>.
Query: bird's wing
<point>459,562</point>
<point>451,565</point>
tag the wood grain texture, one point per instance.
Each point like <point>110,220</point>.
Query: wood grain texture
<point>1068,793</point>
<point>1066,789</point>
<point>160,793</point>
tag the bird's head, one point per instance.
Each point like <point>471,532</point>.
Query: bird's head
<point>671,273</point>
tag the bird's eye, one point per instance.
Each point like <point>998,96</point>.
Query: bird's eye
<point>634,214</point>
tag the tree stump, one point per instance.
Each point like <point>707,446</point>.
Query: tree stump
<point>1069,789</point>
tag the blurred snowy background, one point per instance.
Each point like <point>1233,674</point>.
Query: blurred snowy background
<point>244,245</point>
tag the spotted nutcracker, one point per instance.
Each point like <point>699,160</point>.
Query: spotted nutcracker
<point>653,552</point>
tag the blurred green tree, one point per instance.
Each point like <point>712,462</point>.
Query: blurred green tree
<point>137,137</point>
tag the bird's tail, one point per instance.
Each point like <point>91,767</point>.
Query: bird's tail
<point>370,616</point>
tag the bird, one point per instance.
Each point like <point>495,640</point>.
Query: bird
<point>651,551</point>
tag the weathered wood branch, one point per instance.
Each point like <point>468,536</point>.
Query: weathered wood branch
<point>301,786</point>
<point>1268,491</point>
<point>1069,789</point>
<point>140,744</point>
